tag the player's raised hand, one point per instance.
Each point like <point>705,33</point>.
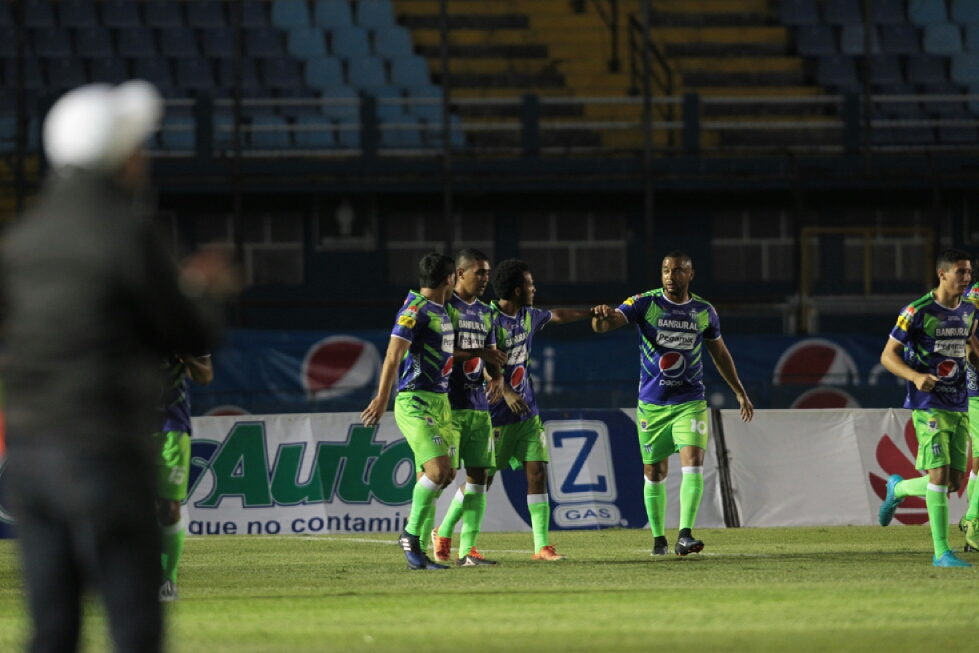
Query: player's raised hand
<point>603,312</point>
<point>925,382</point>
<point>494,356</point>
<point>747,410</point>
<point>372,414</point>
<point>494,390</point>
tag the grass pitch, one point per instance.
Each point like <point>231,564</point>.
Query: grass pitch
<point>787,589</point>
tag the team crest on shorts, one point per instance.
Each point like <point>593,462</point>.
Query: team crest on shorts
<point>496,434</point>
<point>643,424</point>
<point>933,424</point>
<point>648,448</point>
<point>936,449</point>
<point>430,420</point>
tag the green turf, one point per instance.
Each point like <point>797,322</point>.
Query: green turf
<point>786,589</point>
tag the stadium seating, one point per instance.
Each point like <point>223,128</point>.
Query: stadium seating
<point>350,43</point>
<point>219,43</point>
<point>76,14</point>
<point>799,12</point>
<point>38,14</point>
<point>926,12</point>
<point>375,14</point>
<point>109,71</point>
<point>888,12</point>
<point>306,43</point>
<point>119,14</point>
<point>137,43</point>
<point>943,39</point>
<point>842,12</point>
<point>178,43</point>
<point>324,74</point>
<point>853,37</point>
<point>52,42</point>
<point>965,11</point>
<point>899,39</point>
<point>271,133</point>
<point>288,14</point>
<point>206,14</point>
<point>161,14</point>
<point>393,42</point>
<point>93,43</point>
<point>332,14</point>
<point>972,37</point>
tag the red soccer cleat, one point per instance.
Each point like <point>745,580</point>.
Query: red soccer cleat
<point>473,553</point>
<point>548,553</point>
<point>441,547</point>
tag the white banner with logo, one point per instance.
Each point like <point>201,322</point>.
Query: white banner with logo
<point>823,467</point>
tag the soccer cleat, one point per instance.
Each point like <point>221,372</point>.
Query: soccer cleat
<point>431,565</point>
<point>414,554</point>
<point>963,524</point>
<point>441,546</point>
<point>474,561</point>
<point>473,553</point>
<point>889,507</point>
<point>948,559</point>
<point>687,545</point>
<point>168,591</point>
<point>661,550</point>
<point>548,553</point>
<point>972,535</point>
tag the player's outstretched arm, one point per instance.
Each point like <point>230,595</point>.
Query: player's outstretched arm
<point>490,355</point>
<point>568,315</point>
<point>611,322</point>
<point>725,365</point>
<point>199,369</point>
<point>397,348</point>
<point>891,359</point>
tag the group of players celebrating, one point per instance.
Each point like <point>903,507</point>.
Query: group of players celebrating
<point>465,396</point>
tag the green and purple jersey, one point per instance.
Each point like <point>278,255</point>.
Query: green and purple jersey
<point>473,326</point>
<point>428,361</point>
<point>972,381</point>
<point>174,407</point>
<point>934,339</point>
<point>671,345</point>
<point>514,335</point>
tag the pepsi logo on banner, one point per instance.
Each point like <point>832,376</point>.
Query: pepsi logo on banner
<point>948,371</point>
<point>518,377</point>
<point>819,362</point>
<point>672,364</point>
<point>338,365</point>
<point>228,410</point>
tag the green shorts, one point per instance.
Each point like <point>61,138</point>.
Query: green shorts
<point>520,443</point>
<point>664,429</point>
<point>474,433</point>
<point>974,425</point>
<point>425,419</point>
<point>942,437</point>
<point>172,464</point>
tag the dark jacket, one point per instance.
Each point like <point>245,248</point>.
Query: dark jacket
<point>92,306</point>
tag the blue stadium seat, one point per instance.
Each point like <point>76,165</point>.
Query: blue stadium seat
<point>900,88</point>
<point>118,14</point>
<point>457,137</point>
<point>179,43</point>
<point>33,80</point>
<point>195,74</point>
<point>403,139</point>
<point>297,110</point>
<point>332,14</point>
<point>38,14</point>
<point>926,12</point>
<point>815,40</point>
<point>8,43</point>
<point>255,15</point>
<point>319,137</point>
<point>926,69</point>
<point>842,12</point>
<point>837,71</point>
<point>409,71</point>
<point>306,43</point>
<point>6,18</point>
<point>272,133</point>
<point>852,40</point>
<point>943,39</point>
<point>965,68</point>
<point>799,12</point>
<point>219,43</point>
<point>349,138</point>
<point>8,132</point>
<point>177,110</point>
<point>223,131</point>
<point>93,43</point>
<point>393,113</point>
<point>287,14</point>
<point>155,71</point>
<point>972,37</point>
<point>137,43</point>
<point>965,11</point>
<point>324,73</point>
<point>375,14</point>
<point>52,43</point>
<point>282,73</point>
<point>899,39</point>
<point>394,42</point>
<point>76,14</point>
<point>264,43</point>
<point>348,111</point>
<point>885,69</point>
<point>206,14</point>
<point>109,71</point>
<point>162,14</point>
<point>249,108</point>
<point>350,43</point>
<point>974,104</point>
<point>65,74</point>
<point>366,73</point>
<point>889,12</point>
<point>226,73</point>
<point>177,133</point>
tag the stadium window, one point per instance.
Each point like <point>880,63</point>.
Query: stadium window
<point>272,243</point>
<point>574,247</point>
<point>409,236</point>
<point>345,224</point>
<point>752,247</point>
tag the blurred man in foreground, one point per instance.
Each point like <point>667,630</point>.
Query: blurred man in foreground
<point>93,303</point>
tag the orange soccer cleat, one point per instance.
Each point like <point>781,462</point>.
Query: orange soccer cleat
<point>548,553</point>
<point>473,553</point>
<point>441,547</point>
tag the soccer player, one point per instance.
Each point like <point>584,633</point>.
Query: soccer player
<point>928,348</point>
<point>172,444</point>
<point>969,523</point>
<point>475,341</point>
<point>672,412</point>
<point>517,428</point>
<point>420,353</point>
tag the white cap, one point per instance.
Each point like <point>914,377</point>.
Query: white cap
<point>97,127</point>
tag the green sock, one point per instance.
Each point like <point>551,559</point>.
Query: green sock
<point>913,487</point>
<point>973,511</point>
<point>428,523</point>
<point>968,488</point>
<point>474,507</point>
<point>654,494</point>
<point>422,497</point>
<point>691,491</point>
<point>453,516</point>
<point>540,518</point>
<point>938,516</point>
<point>173,546</point>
